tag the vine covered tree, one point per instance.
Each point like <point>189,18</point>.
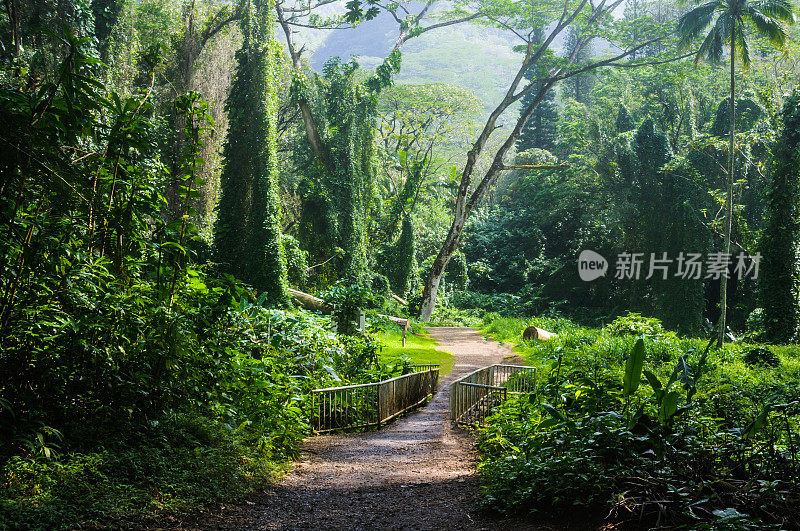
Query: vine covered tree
<point>780,283</point>
<point>661,212</point>
<point>727,18</point>
<point>338,188</point>
<point>624,122</point>
<point>247,234</point>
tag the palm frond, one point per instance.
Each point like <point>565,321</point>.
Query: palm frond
<point>692,24</point>
<point>712,47</point>
<point>770,18</point>
<point>777,9</point>
<point>739,40</point>
<point>768,27</point>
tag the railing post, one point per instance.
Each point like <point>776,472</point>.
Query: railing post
<point>379,403</point>
<point>314,409</point>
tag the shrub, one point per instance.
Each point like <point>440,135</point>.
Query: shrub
<point>189,463</point>
<point>668,423</point>
<point>762,356</point>
<point>346,301</point>
<point>501,303</point>
<point>572,465</point>
<point>634,324</point>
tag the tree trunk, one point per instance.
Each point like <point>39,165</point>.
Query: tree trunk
<point>723,286</point>
<point>12,12</point>
<point>442,259</point>
<point>464,206</point>
<point>309,302</point>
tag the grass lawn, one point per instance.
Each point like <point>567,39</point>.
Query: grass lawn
<point>418,349</point>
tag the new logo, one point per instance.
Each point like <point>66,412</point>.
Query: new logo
<point>591,265</point>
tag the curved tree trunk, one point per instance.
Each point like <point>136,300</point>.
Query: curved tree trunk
<point>442,259</point>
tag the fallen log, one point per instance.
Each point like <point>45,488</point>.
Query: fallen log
<point>399,321</point>
<point>398,299</point>
<point>533,332</point>
<point>309,302</point>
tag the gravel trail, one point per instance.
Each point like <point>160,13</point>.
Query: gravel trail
<point>416,473</point>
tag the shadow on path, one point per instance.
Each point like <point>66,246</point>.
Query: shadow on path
<point>416,473</point>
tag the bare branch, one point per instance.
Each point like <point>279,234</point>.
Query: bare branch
<point>212,29</point>
<point>405,32</point>
<point>452,22</point>
<point>611,61</point>
<point>301,25</point>
<point>656,63</point>
<point>562,166</point>
<point>308,8</point>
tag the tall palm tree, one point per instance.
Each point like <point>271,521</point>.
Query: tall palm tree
<point>729,21</point>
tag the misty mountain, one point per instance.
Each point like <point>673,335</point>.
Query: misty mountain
<point>474,57</point>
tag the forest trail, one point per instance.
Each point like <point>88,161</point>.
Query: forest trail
<point>416,473</point>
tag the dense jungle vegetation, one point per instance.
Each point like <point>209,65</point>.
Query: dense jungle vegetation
<point>171,171</point>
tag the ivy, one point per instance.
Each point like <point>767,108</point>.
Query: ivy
<point>780,284</point>
<point>247,235</point>
<point>337,196</point>
<point>396,261</point>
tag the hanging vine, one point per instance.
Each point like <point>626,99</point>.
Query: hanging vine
<point>339,185</point>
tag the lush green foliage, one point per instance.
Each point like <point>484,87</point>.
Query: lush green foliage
<point>338,190</point>
<point>398,259</point>
<point>646,177</point>
<point>633,324</point>
<point>542,128</point>
<point>247,236</point>
<point>145,372</point>
<point>189,463</point>
<point>618,421</point>
<point>779,285</point>
<point>121,352</point>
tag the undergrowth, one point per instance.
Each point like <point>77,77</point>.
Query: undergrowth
<point>653,430</point>
<point>172,471</point>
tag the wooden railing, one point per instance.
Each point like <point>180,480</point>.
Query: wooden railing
<point>371,404</point>
<point>472,397</point>
<point>424,367</point>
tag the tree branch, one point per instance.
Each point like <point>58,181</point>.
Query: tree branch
<point>211,29</point>
<point>309,8</point>
<point>561,166</point>
<point>452,22</point>
<point>308,119</point>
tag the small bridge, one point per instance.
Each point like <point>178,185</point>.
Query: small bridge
<point>472,397</point>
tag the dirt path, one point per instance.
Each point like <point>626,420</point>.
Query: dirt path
<point>416,473</point>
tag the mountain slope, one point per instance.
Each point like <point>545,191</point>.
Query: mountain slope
<point>477,58</point>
